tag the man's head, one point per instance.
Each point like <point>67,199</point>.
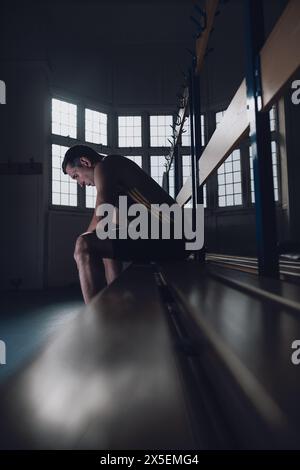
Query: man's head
<point>79,163</point>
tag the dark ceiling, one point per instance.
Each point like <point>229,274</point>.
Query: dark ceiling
<point>106,21</point>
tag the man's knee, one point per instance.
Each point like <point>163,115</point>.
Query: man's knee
<point>82,249</point>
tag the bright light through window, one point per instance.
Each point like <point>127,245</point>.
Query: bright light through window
<point>187,171</point>
<point>160,131</point>
<point>219,116</point>
<point>95,127</point>
<point>136,159</point>
<point>64,118</point>
<point>158,167</point>
<point>230,181</point>
<point>186,134</point>
<point>172,181</point>
<point>90,197</point>
<point>130,131</point>
<point>275,172</point>
<point>64,188</point>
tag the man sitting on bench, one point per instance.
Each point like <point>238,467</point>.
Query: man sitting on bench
<point>116,176</point>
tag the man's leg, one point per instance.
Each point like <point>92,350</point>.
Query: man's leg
<point>113,269</point>
<point>88,251</point>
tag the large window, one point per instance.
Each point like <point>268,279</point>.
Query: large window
<point>73,123</point>
<point>275,172</point>
<point>273,119</point>
<point>187,171</point>
<point>186,167</point>
<point>95,127</point>
<point>274,152</point>
<point>130,131</point>
<point>230,181</point>
<point>172,181</point>
<point>275,169</point>
<point>64,118</point>
<point>65,131</point>
<point>158,167</point>
<point>160,130</point>
<point>203,129</point>
<point>64,189</point>
<point>219,116</point>
<point>90,197</point>
<point>229,176</point>
<point>186,134</point>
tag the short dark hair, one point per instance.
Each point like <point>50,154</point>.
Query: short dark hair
<point>73,154</point>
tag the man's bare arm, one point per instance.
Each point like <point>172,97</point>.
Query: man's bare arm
<point>93,223</point>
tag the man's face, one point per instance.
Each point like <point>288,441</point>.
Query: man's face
<point>84,175</point>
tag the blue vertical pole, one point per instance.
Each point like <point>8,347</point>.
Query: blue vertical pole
<point>193,150</point>
<point>198,134</point>
<point>260,137</point>
<point>196,146</point>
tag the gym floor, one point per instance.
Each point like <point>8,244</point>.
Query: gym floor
<point>28,318</point>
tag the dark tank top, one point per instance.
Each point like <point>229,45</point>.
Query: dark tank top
<point>134,196</point>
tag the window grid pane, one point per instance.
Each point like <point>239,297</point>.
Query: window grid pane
<point>230,181</point>
<point>186,136</point>
<point>187,171</point>
<point>219,116</point>
<point>275,172</point>
<point>90,196</point>
<point>64,189</point>
<point>275,169</point>
<point>130,131</point>
<point>251,176</point>
<point>158,168</point>
<point>273,120</point>
<point>160,130</point>
<point>95,127</point>
<point>64,118</point>
<point>172,181</point>
<point>204,196</point>
<point>136,159</point>
<point>203,129</point>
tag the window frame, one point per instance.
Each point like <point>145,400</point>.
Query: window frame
<point>145,151</point>
<point>82,105</point>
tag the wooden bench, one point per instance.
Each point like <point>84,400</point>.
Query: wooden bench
<point>166,361</point>
<point>242,328</point>
<point>177,356</point>
<point>109,380</point>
